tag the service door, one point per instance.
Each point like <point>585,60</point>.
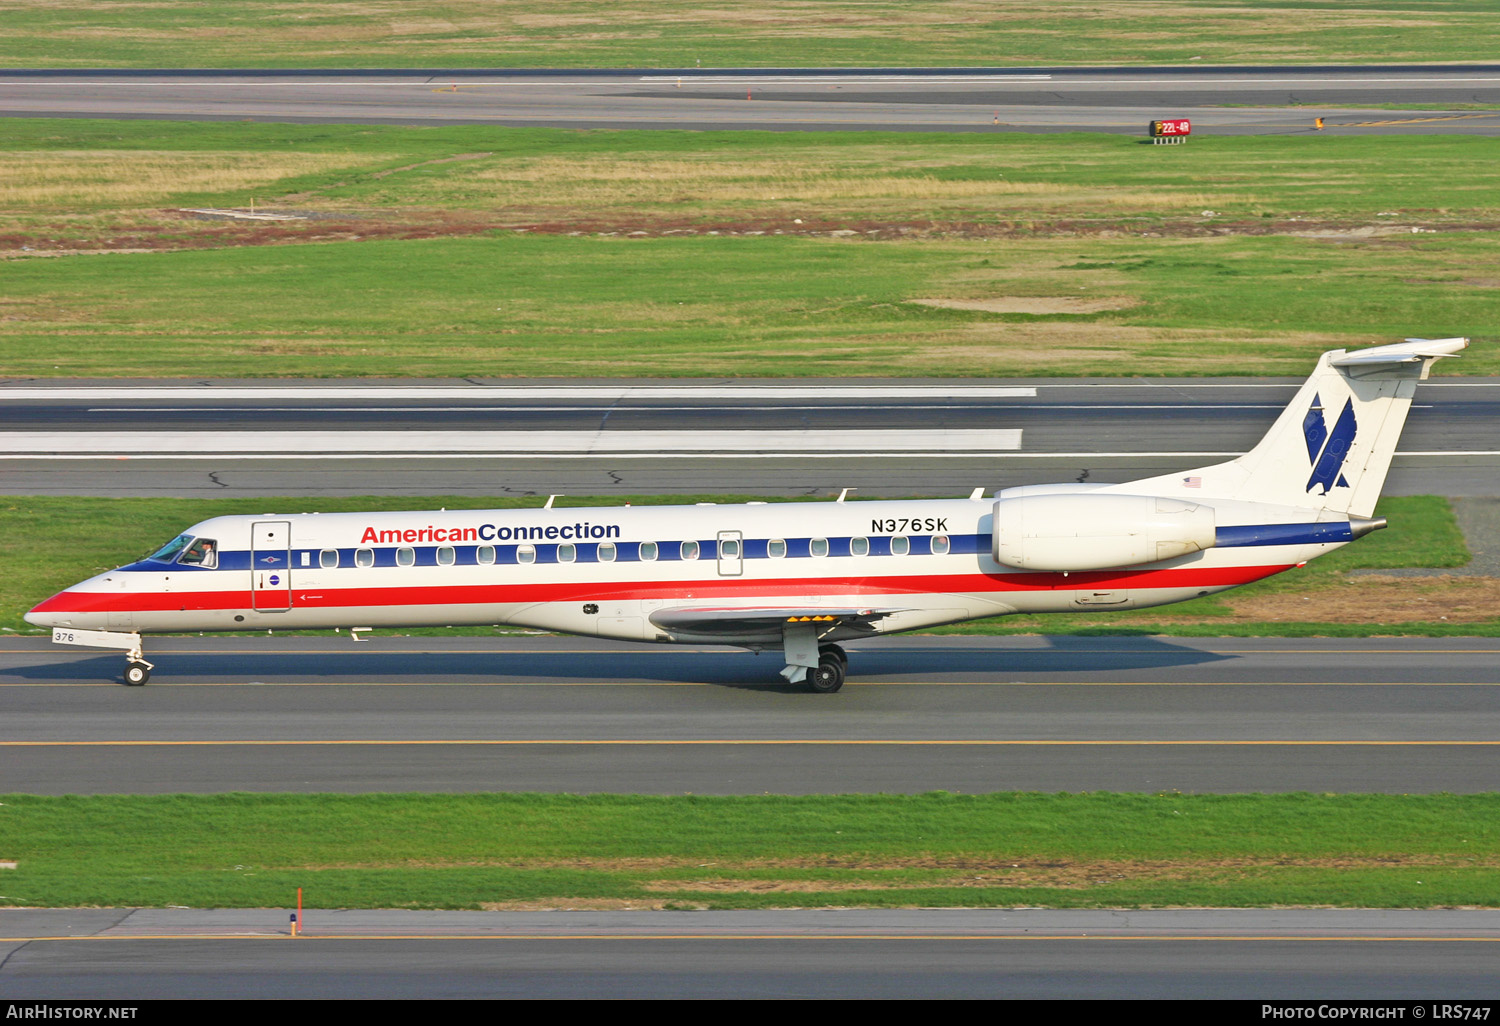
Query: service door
<point>731,559</point>
<point>271,566</point>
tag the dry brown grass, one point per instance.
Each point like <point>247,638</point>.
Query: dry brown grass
<point>113,178</point>
<point>603,182</point>
<point>1385,599</point>
<point>963,872</point>
<point>649,32</point>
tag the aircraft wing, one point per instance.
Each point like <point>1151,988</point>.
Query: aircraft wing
<point>739,620</point>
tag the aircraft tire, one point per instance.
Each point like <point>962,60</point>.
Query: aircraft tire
<point>137,674</point>
<point>828,677</point>
<point>838,652</point>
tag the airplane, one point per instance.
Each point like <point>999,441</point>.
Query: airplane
<point>799,578</point>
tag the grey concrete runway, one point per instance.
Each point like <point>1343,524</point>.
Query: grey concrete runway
<point>1096,430</point>
<point>1326,955</point>
<point>1248,100</point>
<point>919,713</point>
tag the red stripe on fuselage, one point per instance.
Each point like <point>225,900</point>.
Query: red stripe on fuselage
<point>595,591</point>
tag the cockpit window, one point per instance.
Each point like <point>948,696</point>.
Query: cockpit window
<point>204,552</point>
<point>169,551</point>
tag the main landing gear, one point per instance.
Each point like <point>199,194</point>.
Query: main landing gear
<point>828,676</point>
<point>821,667</point>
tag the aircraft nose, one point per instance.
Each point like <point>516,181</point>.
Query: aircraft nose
<point>58,611</point>
<point>40,619</point>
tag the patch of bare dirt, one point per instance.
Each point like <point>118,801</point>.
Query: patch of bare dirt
<point>579,904</point>
<point>958,864</point>
<point>971,872</point>
<point>1379,599</point>
<point>426,163</point>
<point>172,229</point>
<point>1032,304</point>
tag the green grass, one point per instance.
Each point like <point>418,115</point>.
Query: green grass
<point>56,167</point>
<point>473,851</point>
<point>407,269</point>
<point>503,305</point>
<point>679,33</point>
<point>48,543</point>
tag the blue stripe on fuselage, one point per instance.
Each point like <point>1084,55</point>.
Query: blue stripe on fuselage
<point>1283,534</point>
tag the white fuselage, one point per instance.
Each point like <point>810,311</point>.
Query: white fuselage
<point>606,570</point>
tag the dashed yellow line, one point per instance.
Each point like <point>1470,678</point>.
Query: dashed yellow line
<point>638,937</point>
<point>1414,121</point>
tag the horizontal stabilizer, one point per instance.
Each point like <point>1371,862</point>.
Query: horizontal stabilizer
<point>1413,350</point>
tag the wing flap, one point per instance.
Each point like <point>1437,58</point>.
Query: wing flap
<point>760,620</point>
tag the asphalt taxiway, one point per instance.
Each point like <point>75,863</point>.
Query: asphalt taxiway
<point>1366,955</point>
<point>1224,100</point>
<point>540,713</point>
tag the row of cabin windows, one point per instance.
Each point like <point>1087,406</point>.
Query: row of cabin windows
<point>729,548</point>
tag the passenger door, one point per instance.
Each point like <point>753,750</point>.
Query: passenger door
<point>271,566</point>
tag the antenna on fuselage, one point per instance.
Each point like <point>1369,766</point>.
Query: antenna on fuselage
<point>550,498</point>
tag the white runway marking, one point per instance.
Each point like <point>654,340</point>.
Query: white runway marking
<point>659,409</point>
<point>511,392</point>
<point>134,444</point>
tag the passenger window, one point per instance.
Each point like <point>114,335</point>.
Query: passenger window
<point>859,546</point>
<point>606,552</point>
<point>819,547</point>
<point>328,559</point>
<point>525,553</point>
<point>484,555</point>
<point>940,545</point>
<point>729,548</point>
<point>445,555</point>
<point>567,552</point>
<point>203,552</point>
<point>900,545</point>
<point>406,556</point>
<point>364,557</point>
<point>688,550</point>
<point>776,548</point>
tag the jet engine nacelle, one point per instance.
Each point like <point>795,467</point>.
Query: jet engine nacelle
<point>1088,531</point>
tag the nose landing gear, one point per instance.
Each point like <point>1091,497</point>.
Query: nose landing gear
<point>137,670</point>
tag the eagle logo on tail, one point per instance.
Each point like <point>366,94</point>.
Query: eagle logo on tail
<point>1327,450</point>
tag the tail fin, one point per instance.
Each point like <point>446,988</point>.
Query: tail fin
<point>1331,447</point>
